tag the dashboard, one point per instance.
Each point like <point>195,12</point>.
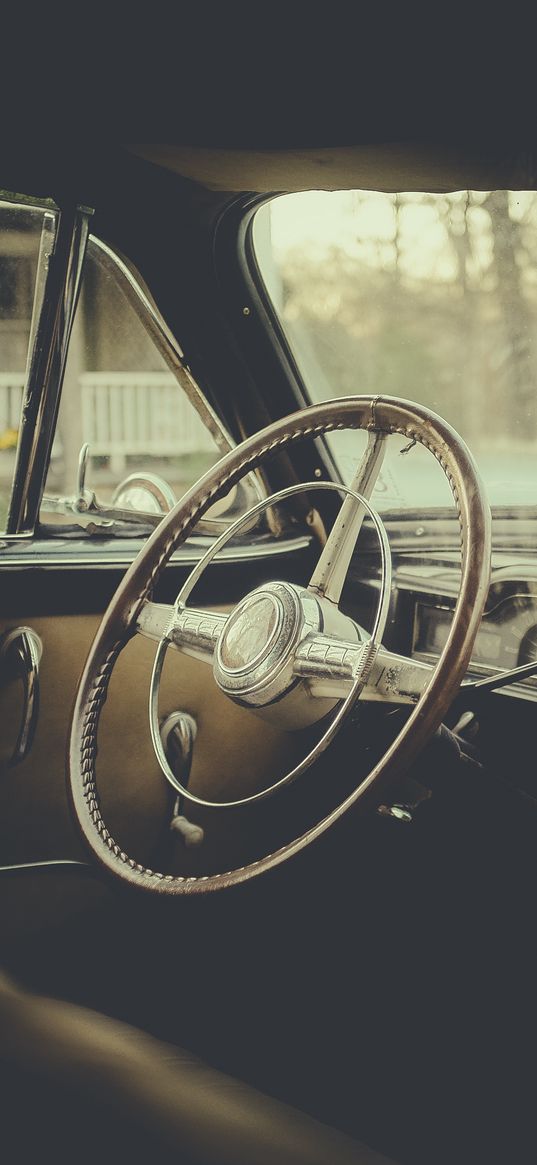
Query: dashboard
<point>424,596</point>
<point>507,637</point>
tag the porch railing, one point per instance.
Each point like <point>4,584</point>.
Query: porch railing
<point>122,414</point>
<point>11,390</point>
<point>138,413</point>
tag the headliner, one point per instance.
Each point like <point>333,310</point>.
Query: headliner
<point>258,102</point>
<point>388,166</point>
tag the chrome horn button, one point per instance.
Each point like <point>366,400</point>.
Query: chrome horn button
<point>250,632</point>
<point>253,661</point>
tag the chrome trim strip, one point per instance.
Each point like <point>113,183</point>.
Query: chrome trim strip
<point>113,561</point>
<point>53,864</point>
<point>20,655</point>
<point>25,203</point>
<point>443,579</point>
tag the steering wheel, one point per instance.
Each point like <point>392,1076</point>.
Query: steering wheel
<point>287,651</point>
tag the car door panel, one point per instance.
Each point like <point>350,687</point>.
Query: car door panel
<point>233,749</point>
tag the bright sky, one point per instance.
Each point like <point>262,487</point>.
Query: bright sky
<point>364,225</point>
<point>318,216</point>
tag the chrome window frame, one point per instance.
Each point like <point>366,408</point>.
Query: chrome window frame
<point>63,246</point>
<point>64,241</point>
<point>164,340</point>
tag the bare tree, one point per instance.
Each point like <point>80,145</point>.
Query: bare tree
<point>518,364</point>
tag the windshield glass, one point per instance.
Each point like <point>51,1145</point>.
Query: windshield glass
<point>432,298</point>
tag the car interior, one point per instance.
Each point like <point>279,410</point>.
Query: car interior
<point>268,648</point>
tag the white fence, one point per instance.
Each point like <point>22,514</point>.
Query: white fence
<point>122,414</point>
<point>11,390</point>
<point>142,413</point>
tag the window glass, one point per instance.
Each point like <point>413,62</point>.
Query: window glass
<point>20,241</point>
<point>432,298</point>
<point>121,398</point>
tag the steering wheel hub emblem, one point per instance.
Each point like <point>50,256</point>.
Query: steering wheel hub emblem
<point>254,655</point>
<point>250,632</point>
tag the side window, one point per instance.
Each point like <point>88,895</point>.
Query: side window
<point>23,234</point>
<point>121,398</point>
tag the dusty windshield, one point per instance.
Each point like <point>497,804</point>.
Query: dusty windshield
<point>428,297</point>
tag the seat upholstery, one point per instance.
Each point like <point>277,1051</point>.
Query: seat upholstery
<point>79,1086</point>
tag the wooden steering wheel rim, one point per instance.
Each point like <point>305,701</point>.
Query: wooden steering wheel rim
<point>374,414</point>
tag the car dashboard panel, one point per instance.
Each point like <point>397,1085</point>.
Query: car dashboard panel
<point>424,598</point>
<point>506,639</point>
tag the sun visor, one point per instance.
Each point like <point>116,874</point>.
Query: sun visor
<point>390,167</point>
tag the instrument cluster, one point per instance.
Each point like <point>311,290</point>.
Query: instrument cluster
<point>506,639</point>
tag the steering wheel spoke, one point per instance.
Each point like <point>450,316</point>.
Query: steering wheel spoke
<point>331,571</point>
<point>191,631</point>
<point>331,667</point>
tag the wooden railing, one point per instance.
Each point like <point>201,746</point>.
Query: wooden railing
<point>138,413</point>
<point>11,390</point>
<point>123,413</point>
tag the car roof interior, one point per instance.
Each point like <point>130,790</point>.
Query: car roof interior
<point>391,163</point>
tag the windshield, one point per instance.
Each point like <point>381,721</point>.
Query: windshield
<point>428,297</point>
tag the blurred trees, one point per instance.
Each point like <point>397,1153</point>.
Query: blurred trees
<point>429,297</point>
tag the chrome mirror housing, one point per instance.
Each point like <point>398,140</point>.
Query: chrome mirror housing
<point>144,492</point>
